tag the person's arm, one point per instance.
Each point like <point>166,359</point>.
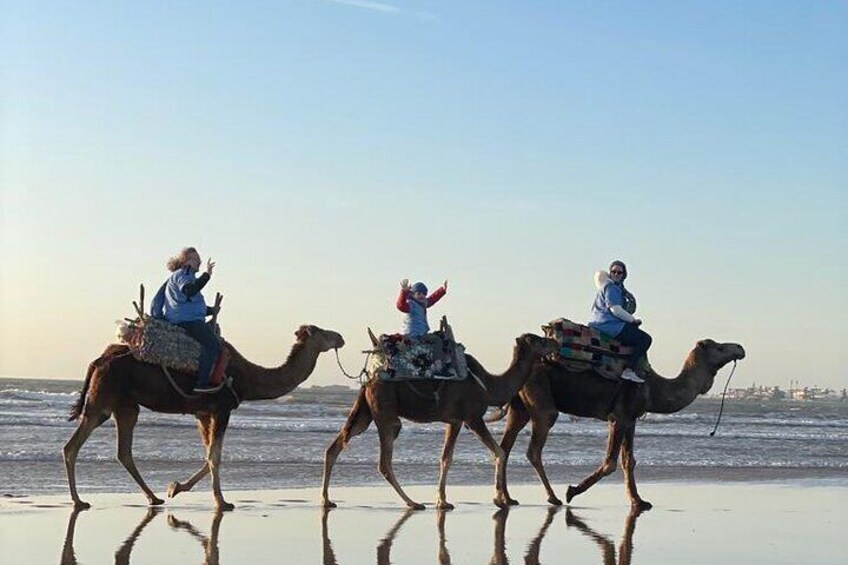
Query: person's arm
<point>157,306</point>
<point>436,296</point>
<point>403,300</point>
<point>193,288</point>
<point>615,299</point>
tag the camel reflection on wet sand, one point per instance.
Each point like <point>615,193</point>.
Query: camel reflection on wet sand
<point>209,543</point>
<point>499,555</point>
<point>123,553</point>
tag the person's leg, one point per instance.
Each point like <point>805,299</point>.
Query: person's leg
<point>209,343</point>
<point>639,340</point>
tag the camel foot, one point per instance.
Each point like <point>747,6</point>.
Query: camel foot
<point>444,505</point>
<point>328,504</point>
<point>156,501</point>
<point>641,505</point>
<point>224,506</point>
<point>571,493</point>
<point>501,501</point>
<point>80,505</point>
<point>511,501</point>
<point>552,499</point>
<point>174,489</point>
<point>415,505</point>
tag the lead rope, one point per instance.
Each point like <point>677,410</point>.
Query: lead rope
<point>362,373</point>
<point>721,408</point>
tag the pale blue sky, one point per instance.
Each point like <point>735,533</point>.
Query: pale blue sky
<point>321,150</point>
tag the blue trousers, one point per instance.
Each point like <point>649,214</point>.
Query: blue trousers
<point>202,332</point>
<point>637,339</point>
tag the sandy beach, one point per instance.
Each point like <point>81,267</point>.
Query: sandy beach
<point>694,522</point>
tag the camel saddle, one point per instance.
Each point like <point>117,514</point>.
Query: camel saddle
<point>583,348</point>
<point>434,356</point>
<point>159,342</point>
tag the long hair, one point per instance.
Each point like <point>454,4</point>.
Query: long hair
<point>178,261</point>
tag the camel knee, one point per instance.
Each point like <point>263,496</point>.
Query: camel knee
<point>607,468</point>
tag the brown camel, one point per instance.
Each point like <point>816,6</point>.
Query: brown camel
<point>552,389</point>
<point>117,384</point>
<point>453,402</point>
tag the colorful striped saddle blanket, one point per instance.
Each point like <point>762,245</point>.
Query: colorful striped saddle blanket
<point>583,348</point>
<point>432,356</point>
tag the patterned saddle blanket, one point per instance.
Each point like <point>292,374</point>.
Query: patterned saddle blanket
<point>435,356</point>
<point>583,348</point>
<point>160,342</point>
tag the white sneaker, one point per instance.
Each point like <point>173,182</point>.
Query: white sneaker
<point>630,375</point>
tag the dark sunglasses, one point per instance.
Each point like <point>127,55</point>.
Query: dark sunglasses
<point>617,272</point>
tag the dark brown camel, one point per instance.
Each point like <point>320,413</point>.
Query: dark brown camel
<point>453,402</point>
<point>117,384</point>
<point>551,389</point>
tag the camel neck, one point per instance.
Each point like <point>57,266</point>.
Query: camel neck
<point>260,383</point>
<point>672,395</point>
<point>502,388</point>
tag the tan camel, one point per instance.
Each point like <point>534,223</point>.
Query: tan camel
<point>117,384</point>
<point>552,389</point>
<point>453,402</point>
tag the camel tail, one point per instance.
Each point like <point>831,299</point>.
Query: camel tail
<point>76,409</point>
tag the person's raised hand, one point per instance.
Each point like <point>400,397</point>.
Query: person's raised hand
<point>445,285</point>
<point>404,284</point>
<point>210,264</point>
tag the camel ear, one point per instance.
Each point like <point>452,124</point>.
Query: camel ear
<point>303,332</point>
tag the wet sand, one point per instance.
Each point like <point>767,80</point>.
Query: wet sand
<point>695,522</point>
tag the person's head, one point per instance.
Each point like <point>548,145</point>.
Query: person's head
<point>419,291</point>
<point>618,271</point>
<point>187,257</point>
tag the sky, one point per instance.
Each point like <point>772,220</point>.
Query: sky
<point>321,150</point>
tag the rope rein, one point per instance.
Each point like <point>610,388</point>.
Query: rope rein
<point>721,408</point>
<point>362,373</point>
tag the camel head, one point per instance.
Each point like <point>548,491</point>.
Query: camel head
<point>326,339</point>
<point>534,345</point>
<point>714,356</point>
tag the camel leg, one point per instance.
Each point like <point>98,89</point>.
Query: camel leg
<point>451,433</point>
<point>87,424</point>
<point>542,425</point>
<point>628,465</point>
<point>614,439</point>
<point>213,458</point>
<point>125,420</point>
<point>357,422</point>
<point>516,418</point>
<point>479,428</point>
<point>204,426</point>
<point>388,432</point>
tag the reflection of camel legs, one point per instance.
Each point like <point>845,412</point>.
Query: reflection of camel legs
<point>87,424</point>
<point>614,439</point>
<point>204,426</point>
<point>388,431</point>
<point>384,550</point>
<point>213,457</point>
<point>479,428</point>
<point>357,422</point>
<point>125,419</point>
<point>516,418</point>
<point>329,556</point>
<point>607,547</point>
<point>69,557</point>
<point>451,433</point>
<point>625,548</point>
<point>499,556</point>
<point>531,557</point>
<point>122,556</point>
<point>444,555</point>
<point>542,424</point>
<point>628,465</point>
<point>209,543</point>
